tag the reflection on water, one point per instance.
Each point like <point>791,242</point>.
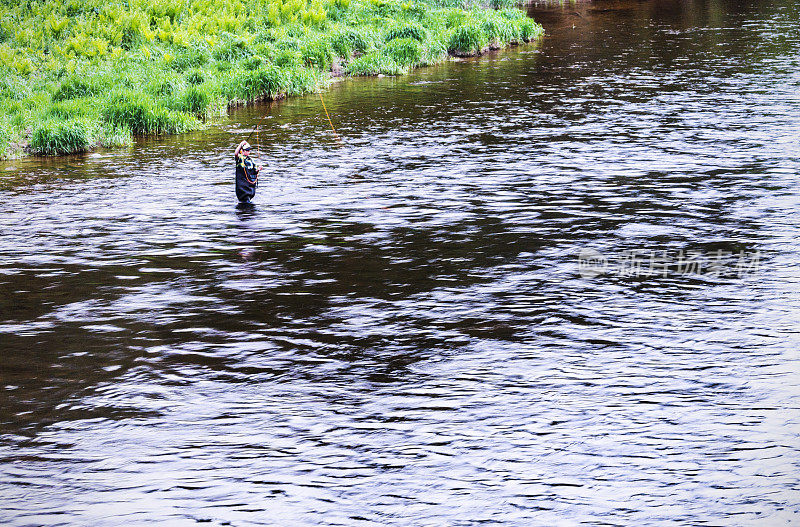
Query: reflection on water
<point>397,330</point>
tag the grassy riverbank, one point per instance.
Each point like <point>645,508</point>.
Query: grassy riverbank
<point>78,74</point>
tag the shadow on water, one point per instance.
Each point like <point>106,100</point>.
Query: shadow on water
<point>402,319</point>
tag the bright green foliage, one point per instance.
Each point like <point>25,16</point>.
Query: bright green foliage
<point>529,30</point>
<point>254,62</point>
<point>270,82</point>
<point>63,111</point>
<point>110,136</point>
<point>232,49</point>
<point>317,52</point>
<point>257,84</point>
<point>347,41</point>
<point>415,31</point>
<point>5,138</point>
<point>500,4</point>
<point>512,14</point>
<point>189,58</point>
<point>79,73</point>
<point>142,115</point>
<point>288,58</point>
<point>161,87</point>
<point>500,31</point>
<point>55,138</point>
<point>196,101</point>
<point>468,39</point>
<point>375,63</point>
<point>72,88</point>
<point>403,51</point>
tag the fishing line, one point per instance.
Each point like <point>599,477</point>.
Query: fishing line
<point>329,118</point>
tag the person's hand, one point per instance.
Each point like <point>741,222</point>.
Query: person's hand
<point>260,167</point>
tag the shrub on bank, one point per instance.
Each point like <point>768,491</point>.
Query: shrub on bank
<point>5,139</point>
<point>354,40</point>
<point>499,32</point>
<point>317,53</point>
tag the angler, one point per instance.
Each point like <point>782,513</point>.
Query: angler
<point>246,173</point>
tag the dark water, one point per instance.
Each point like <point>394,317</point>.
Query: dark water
<point>401,331</point>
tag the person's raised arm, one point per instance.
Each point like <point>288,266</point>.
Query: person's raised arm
<point>238,149</point>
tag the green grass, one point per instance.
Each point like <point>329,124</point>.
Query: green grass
<point>76,74</point>
<point>73,88</point>
<point>143,115</point>
<point>64,137</point>
<point>110,136</point>
<point>404,51</point>
<point>375,63</point>
<point>411,30</point>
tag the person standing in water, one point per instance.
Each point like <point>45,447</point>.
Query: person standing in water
<point>246,173</point>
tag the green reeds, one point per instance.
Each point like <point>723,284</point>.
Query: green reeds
<point>109,136</point>
<point>413,31</point>
<point>468,39</point>
<point>375,63</point>
<point>142,115</point>
<point>72,88</point>
<point>405,52</point>
<point>529,30</point>
<point>346,41</point>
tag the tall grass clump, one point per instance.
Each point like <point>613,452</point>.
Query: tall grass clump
<point>110,136</point>
<point>413,31</point>
<point>375,63</point>
<point>142,115</point>
<point>499,32</point>
<point>192,57</point>
<point>65,110</point>
<point>468,39</point>
<point>56,138</point>
<point>72,88</point>
<point>195,101</point>
<point>195,77</point>
<point>262,83</point>
<point>346,42</point>
<point>503,4</point>
<point>5,139</point>
<point>317,53</point>
<point>403,51</point>
<point>529,30</point>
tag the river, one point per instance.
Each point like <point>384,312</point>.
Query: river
<point>555,285</point>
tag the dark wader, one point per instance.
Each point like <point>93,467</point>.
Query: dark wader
<point>246,178</point>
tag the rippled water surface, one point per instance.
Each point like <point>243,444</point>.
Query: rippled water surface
<point>399,331</point>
